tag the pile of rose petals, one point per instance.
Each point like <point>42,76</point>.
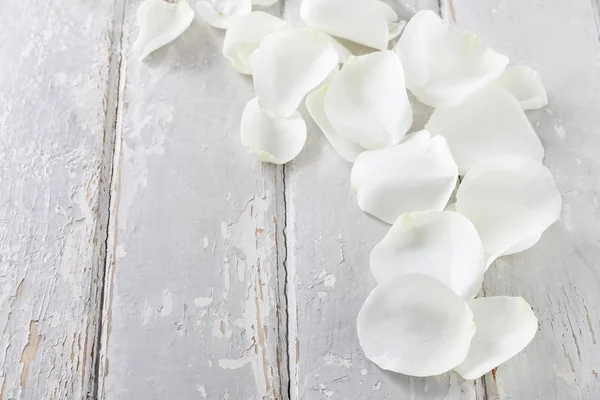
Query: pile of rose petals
<point>423,318</point>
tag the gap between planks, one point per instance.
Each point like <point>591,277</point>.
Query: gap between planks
<point>107,184</point>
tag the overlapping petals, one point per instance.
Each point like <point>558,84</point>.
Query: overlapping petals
<point>443,63</point>
<point>368,22</point>
<point>220,13</point>
<point>442,244</point>
<point>525,84</point>
<point>488,124</point>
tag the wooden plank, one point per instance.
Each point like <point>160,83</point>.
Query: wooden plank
<point>329,242</point>
<point>192,298</point>
<point>54,161</point>
<point>559,276</point>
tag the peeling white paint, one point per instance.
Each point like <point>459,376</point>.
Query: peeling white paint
<point>203,301</point>
<point>167,304</point>
<point>146,314</point>
<point>339,361</point>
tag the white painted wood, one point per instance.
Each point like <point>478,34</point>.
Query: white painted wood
<point>53,94</point>
<point>560,275</point>
<point>192,308</point>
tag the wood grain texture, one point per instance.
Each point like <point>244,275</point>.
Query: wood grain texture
<point>560,276</point>
<point>53,94</point>
<point>192,306</point>
<point>329,242</point>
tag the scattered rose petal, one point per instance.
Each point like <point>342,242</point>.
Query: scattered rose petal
<point>367,102</point>
<point>272,139</point>
<point>522,246</point>
<point>505,326</point>
<point>219,13</point>
<point>367,22</point>
<point>443,63</point>
<point>525,84</point>
<point>288,64</point>
<point>415,325</point>
<point>347,149</point>
<point>244,35</point>
<point>442,244</point>
<point>510,200</point>
<point>160,23</point>
<point>416,175</point>
<point>488,124</point>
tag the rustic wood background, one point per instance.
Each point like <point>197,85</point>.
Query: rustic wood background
<point>145,255</point>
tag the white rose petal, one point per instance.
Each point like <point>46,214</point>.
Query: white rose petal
<point>525,84</point>
<point>288,64</point>
<point>416,175</point>
<point>510,200</point>
<point>219,13</point>
<point>445,64</point>
<point>347,149</point>
<point>244,35</point>
<point>488,124</point>
<point>160,23</point>
<point>415,325</point>
<point>505,326</point>
<point>442,244</point>
<point>367,102</point>
<point>367,22</point>
<point>269,138</point>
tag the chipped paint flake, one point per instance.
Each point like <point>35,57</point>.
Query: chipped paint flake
<point>333,359</point>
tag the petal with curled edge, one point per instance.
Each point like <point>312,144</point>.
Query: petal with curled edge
<point>510,200</point>
<point>288,64</point>
<point>415,325</point>
<point>367,22</point>
<point>418,174</point>
<point>347,149</point>
<point>442,244</point>
<point>160,23</point>
<point>488,124</point>
<point>269,138</point>
<point>445,64</point>
<point>525,84</point>
<point>244,35</point>
<point>367,102</point>
<point>219,13</point>
<point>505,326</point>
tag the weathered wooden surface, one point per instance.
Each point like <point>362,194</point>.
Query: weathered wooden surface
<point>193,304</point>
<point>53,94</point>
<point>560,276</point>
<point>206,295</point>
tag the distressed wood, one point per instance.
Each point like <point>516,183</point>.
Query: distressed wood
<point>192,304</point>
<point>53,165</point>
<point>560,275</point>
<point>329,242</point>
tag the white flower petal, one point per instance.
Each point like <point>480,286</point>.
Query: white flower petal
<point>442,244</point>
<point>505,326</point>
<point>367,22</point>
<point>272,139</point>
<point>510,200</point>
<point>160,23</point>
<point>343,52</point>
<point>367,101</point>
<point>395,24</point>
<point>219,13</point>
<point>289,63</point>
<point>522,246</point>
<point>315,104</point>
<point>525,84</point>
<point>244,35</point>
<point>264,3</point>
<point>488,124</point>
<point>415,325</point>
<point>445,64</point>
<point>416,175</point>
